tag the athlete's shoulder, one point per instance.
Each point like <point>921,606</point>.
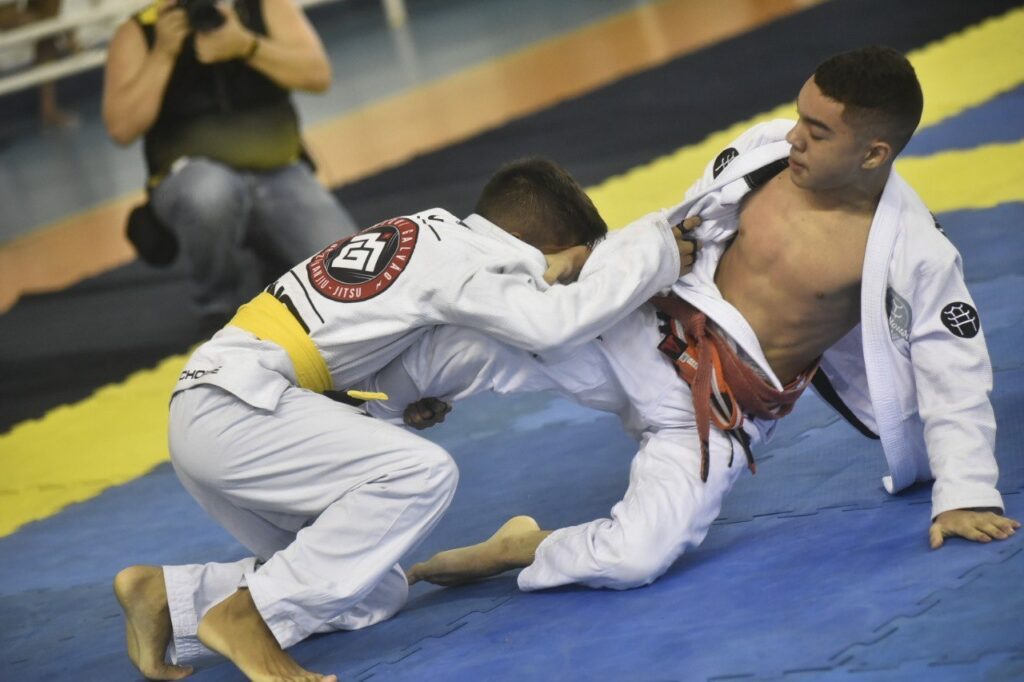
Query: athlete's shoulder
<point>437,217</point>
<point>922,229</point>
<point>367,264</point>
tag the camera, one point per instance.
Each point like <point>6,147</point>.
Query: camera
<point>155,243</point>
<point>203,15</point>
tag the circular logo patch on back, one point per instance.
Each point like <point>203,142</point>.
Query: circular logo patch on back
<point>364,265</point>
<point>723,160</point>
<point>961,319</point>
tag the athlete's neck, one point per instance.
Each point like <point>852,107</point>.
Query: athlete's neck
<point>860,197</point>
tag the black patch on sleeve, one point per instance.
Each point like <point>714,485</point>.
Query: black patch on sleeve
<point>961,319</point>
<point>723,160</point>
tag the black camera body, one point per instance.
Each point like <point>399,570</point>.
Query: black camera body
<point>155,243</point>
<point>203,15</point>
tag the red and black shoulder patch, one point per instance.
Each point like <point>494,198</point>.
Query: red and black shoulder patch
<point>364,265</point>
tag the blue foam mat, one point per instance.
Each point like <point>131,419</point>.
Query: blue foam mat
<point>998,121</point>
<point>809,586</point>
<point>799,585</point>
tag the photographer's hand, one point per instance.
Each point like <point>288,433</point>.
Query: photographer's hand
<point>231,40</point>
<point>171,29</point>
<point>290,54</point>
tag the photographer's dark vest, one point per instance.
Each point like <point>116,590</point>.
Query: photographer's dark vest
<point>226,111</point>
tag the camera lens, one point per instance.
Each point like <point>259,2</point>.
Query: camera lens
<point>203,15</point>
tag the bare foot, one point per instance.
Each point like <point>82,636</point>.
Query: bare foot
<point>235,628</point>
<point>147,621</point>
<point>513,546</point>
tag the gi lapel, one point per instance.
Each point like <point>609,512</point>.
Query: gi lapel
<point>717,200</point>
<point>885,228</point>
<point>744,164</point>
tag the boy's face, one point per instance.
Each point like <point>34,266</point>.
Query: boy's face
<point>827,152</point>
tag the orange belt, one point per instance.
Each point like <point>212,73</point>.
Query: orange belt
<point>724,387</point>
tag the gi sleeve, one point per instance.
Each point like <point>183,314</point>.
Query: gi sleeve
<point>710,206</point>
<point>953,378</point>
<point>755,136</point>
<point>452,363</point>
<point>623,272</point>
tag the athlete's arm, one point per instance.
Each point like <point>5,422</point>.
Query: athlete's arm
<point>565,266</point>
<point>450,363</point>
<point>291,53</point>
<point>953,378</point>
<point>136,76</point>
<point>623,272</point>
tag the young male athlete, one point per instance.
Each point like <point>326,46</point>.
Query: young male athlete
<point>818,263</point>
<point>326,498</point>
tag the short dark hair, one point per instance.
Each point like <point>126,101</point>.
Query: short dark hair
<point>538,199</point>
<point>879,89</point>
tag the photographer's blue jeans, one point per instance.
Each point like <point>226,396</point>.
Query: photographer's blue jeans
<point>238,230</point>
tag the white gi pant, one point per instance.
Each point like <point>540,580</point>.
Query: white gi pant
<point>666,511</point>
<point>326,497</point>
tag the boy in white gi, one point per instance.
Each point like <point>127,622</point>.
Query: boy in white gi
<point>326,498</point>
<point>817,260</point>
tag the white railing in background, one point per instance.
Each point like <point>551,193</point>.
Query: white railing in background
<point>103,18</point>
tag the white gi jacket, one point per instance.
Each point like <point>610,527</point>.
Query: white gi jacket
<point>916,370</point>
<point>364,299</point>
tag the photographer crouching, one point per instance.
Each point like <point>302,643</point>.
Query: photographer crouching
<point>230,187</point>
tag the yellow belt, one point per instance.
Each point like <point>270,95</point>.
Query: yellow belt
<point>270,320</point>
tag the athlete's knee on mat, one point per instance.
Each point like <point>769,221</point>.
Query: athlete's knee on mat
<point>636,571</point>
<point>628,558</point>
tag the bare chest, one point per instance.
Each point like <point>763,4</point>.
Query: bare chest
<point>804,251</point>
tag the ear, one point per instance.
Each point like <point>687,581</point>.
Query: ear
<point>879,153</point>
